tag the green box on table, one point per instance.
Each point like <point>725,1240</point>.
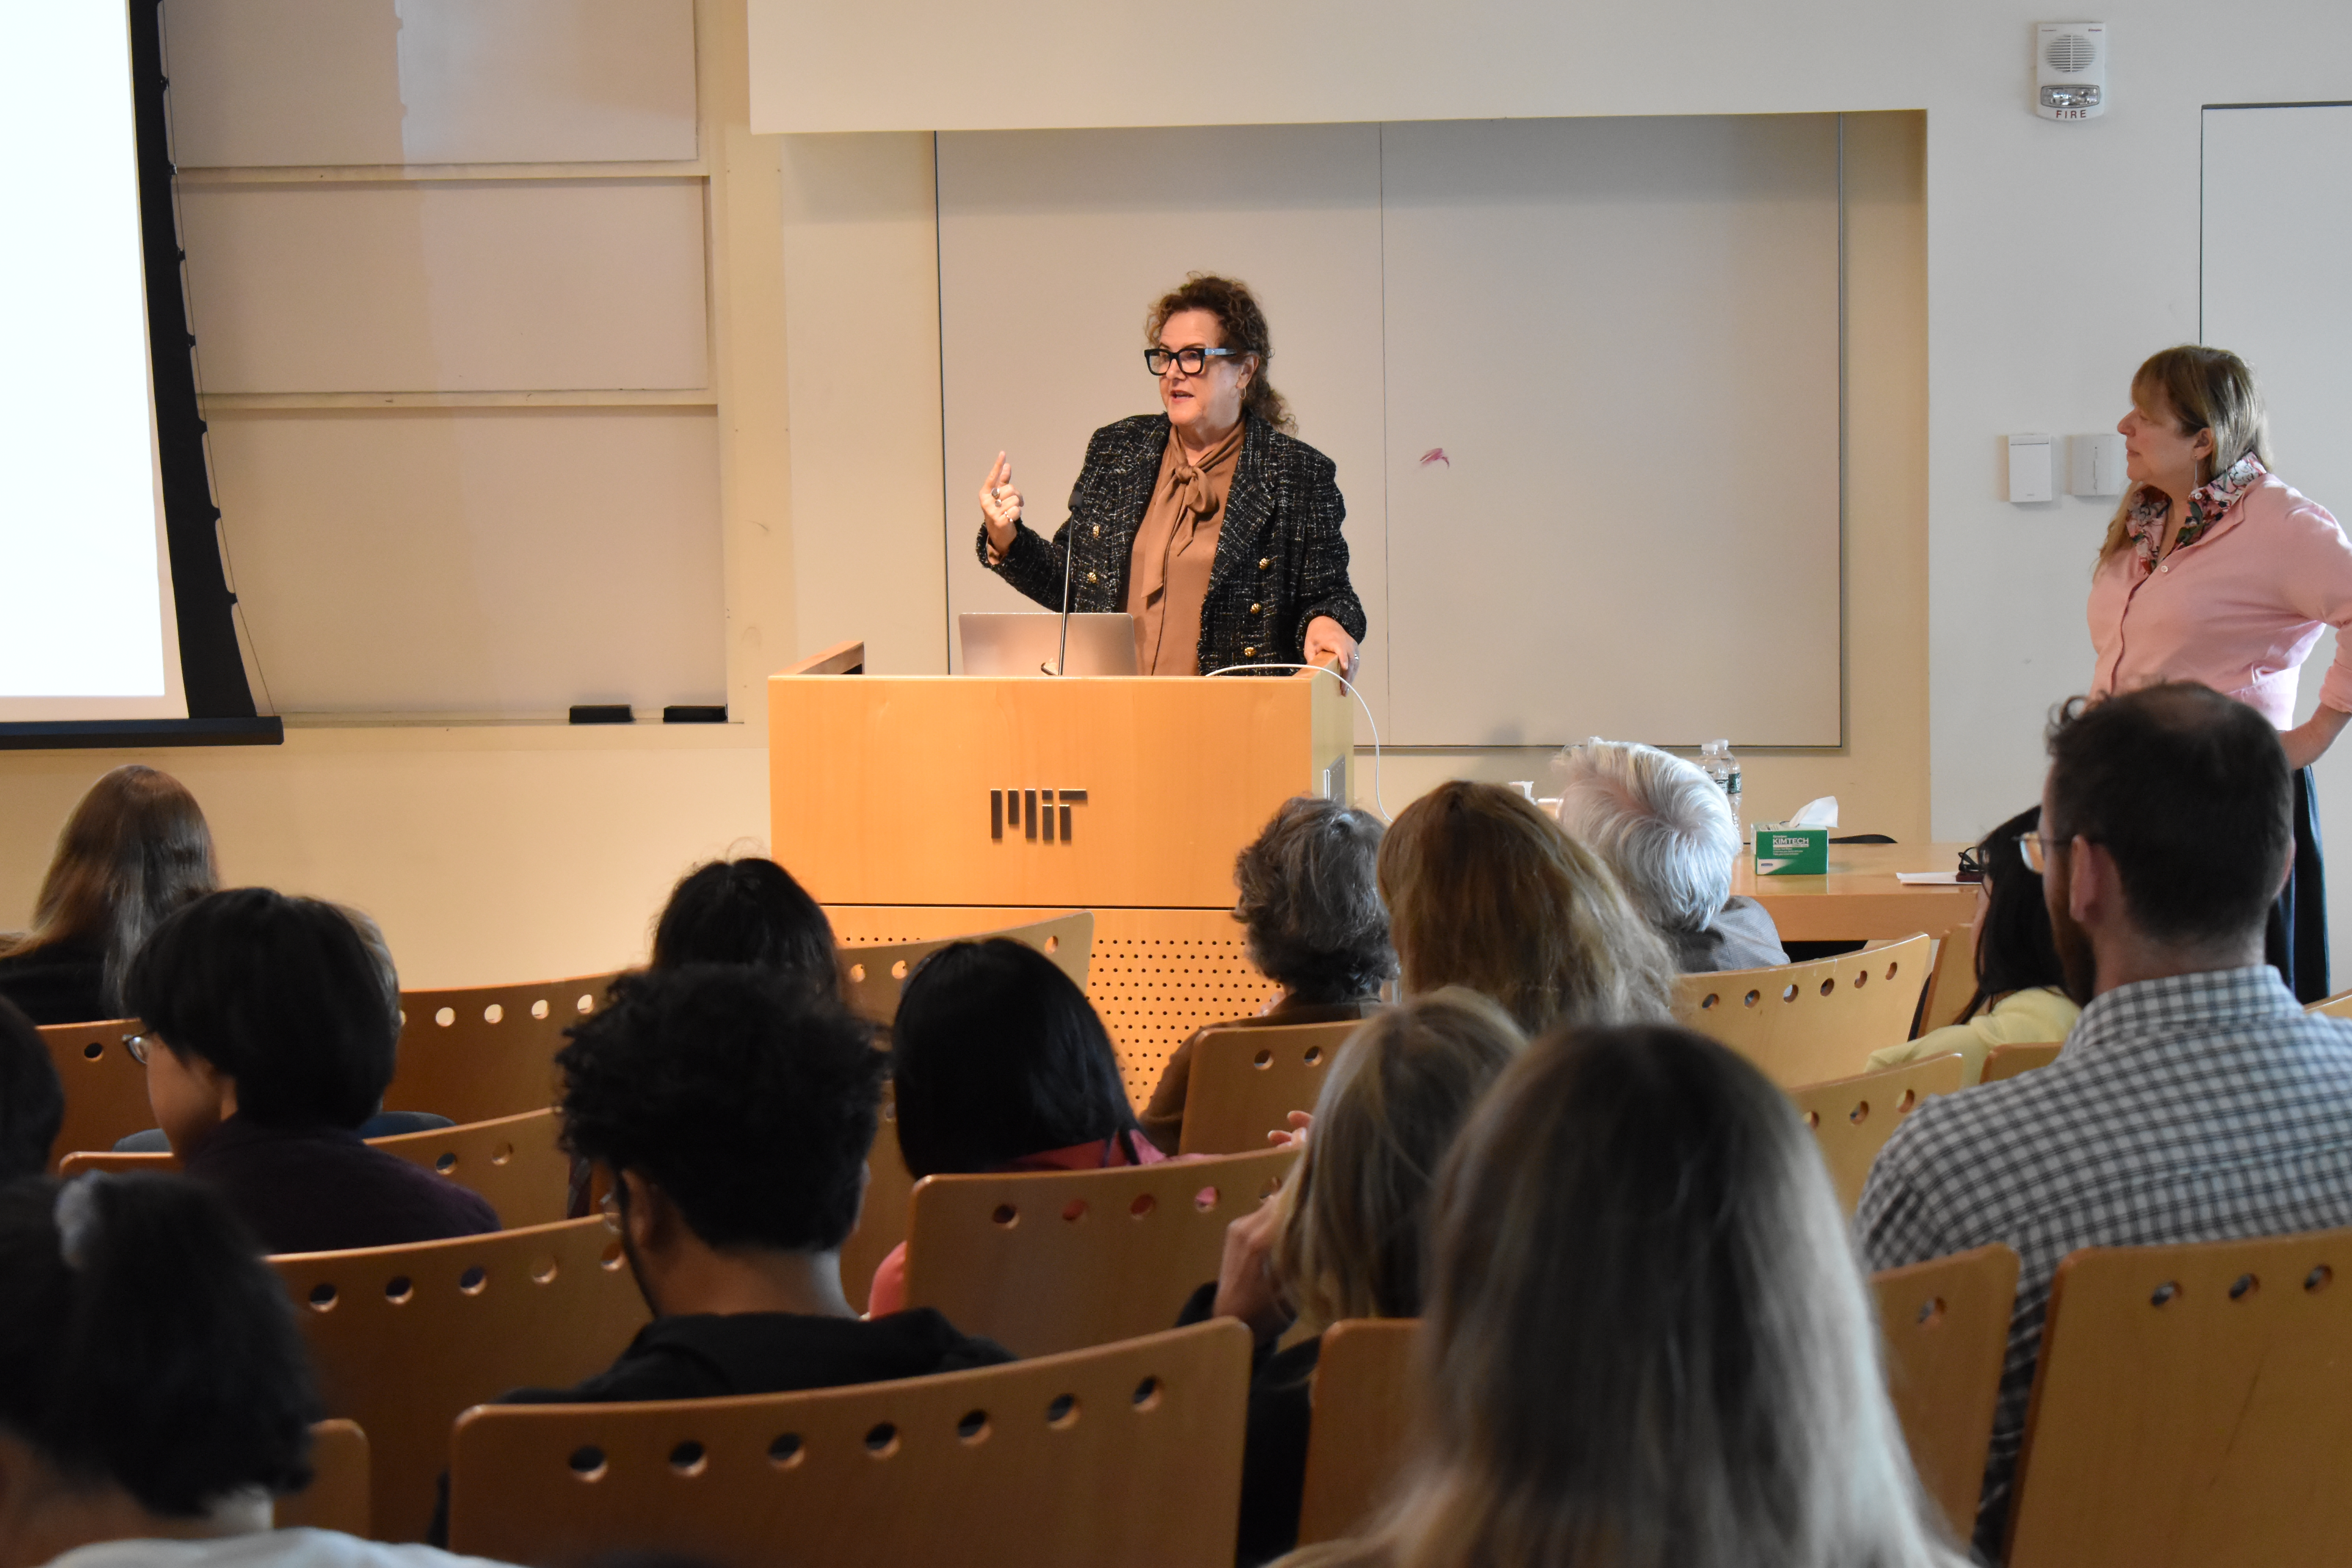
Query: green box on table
<point>1785,851</point>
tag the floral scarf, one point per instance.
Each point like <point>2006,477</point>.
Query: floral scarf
<point>2207,502</point>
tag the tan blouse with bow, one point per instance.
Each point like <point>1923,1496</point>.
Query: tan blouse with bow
<point>1175,545</point>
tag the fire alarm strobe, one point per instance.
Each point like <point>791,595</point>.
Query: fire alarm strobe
<point>2070,70</point>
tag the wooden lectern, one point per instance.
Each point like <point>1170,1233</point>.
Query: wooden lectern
<point>919,806</point>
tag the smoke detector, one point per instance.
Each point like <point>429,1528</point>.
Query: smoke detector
<point>2070,70</point>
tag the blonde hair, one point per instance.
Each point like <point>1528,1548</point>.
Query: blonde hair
<point>2206,389</point>
<point>1353,1238</point>
<point>1647,1343</point>
<point>1485,891</point>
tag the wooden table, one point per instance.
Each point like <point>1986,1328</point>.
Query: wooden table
<point>1860,899</point>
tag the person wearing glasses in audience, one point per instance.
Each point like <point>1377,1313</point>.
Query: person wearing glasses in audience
<point>1211,523</point>
<point>2216,570</point>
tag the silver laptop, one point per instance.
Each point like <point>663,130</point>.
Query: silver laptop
<point>1030,644</point>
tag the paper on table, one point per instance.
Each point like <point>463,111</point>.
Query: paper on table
<point>1929,878</point>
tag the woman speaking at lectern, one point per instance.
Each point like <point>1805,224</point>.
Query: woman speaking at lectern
<point>1212,526</point>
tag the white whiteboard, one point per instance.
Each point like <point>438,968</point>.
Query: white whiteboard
<point>257,83</point>
<point>1624,333</point>
<point>2274,295</point>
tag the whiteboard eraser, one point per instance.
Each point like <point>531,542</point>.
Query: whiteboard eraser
<point>2095,465</point>
<point>2029,468</point>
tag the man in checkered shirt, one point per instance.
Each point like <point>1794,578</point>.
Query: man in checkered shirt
<point>2195,1100</point>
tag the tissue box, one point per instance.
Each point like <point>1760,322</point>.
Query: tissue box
<point>1785,851</point>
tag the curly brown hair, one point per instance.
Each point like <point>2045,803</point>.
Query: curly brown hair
<point>1237,311</point>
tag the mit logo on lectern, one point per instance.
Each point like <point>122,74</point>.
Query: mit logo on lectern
<point>1034,813</point>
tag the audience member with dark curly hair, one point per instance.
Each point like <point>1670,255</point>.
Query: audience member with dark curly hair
<point>748,911</point>
<point>154,1391</point>
<point>1309,904</point>
<point>732,1113</point>
<point>32,1101</point>
<point>271,1027</point>
<point>1001,1064</point>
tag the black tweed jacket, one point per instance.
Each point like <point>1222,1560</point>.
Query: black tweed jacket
<point>1281,560</point>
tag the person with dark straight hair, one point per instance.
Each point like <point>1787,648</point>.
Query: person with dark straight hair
<point>134,849</point>
<point>154,1391</point>
<point>748,911</point>
<point>2195,1099</point>
<point>1001,1064</point>
<point>1644,1342</point>
<point>32,1101</point>
<point>2021,997</point>
<point>1308,900</point>
<point>271,1023</point>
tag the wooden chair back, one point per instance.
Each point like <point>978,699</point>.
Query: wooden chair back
<point>337,1496</point>
<point>2008,1061</point>
<point>1246,1083</point>
<point>1810,1023</point>
<point>2193,1404</point>
<point>1363,1413</point>
<point>873,974</point>
<point>1128,1454</point>
<point>1946,1327</point>
<point>1951,980</point>
<point>406,1337</point>
<point>106,1091</point>
<point>1056,1260</point>
<point>482,1052</point>
<point>1852,1118</point>
<point>882,1223</point>
<point>513,1162</point>
<point>2337,1006</point>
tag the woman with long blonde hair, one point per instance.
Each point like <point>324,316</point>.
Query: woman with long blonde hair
<point>2216,570</point>
<point>135,848</point>
<point>1645,1343</point>
<point>1347,1236</point>
<point>1484,889</point>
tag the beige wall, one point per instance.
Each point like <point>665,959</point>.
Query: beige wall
<point>504,852</point>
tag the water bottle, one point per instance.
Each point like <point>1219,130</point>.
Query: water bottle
<point>1721,766</point>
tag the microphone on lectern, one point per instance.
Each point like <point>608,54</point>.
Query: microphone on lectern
<point>1069,561</point>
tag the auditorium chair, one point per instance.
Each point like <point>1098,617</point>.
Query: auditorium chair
<point>1852,1118</point>
<point>1245,1083</point>
<point>514,1162</point>
<point>874,974</point>
<point>2008,1061</point>
<point>404,1338</point>
<point>2337,1006</point>
<point>1812,1022</point>
<point>1055,1260</point>
<point>1946,1327</point>
<point>337,1496</point>
<point>1951,980</point>
<point>106,1091</point>
<point>1128,1454</point>
<point>485,1051</point>
<point>1363,1416</point>
<point>2192,1404</point>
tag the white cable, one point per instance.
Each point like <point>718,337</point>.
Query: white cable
<point>1378,804</point>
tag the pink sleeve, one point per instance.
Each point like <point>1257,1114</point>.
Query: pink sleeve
<point>2318,562</point>
<point>888,1293</point>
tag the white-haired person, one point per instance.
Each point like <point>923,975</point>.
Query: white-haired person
<point>1666,831</point>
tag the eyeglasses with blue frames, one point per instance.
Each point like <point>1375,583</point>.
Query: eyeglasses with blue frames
<point>1192,361</point>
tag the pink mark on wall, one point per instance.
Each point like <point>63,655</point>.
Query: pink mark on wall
<point>1435,455</point>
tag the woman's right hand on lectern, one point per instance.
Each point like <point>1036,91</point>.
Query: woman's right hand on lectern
<point>1000,505</point>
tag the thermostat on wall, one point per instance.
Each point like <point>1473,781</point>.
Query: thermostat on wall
<point>2070,70</point>
<point>2029,468</point>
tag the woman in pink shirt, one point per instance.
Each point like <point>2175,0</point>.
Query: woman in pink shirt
<point>2216,570</point>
